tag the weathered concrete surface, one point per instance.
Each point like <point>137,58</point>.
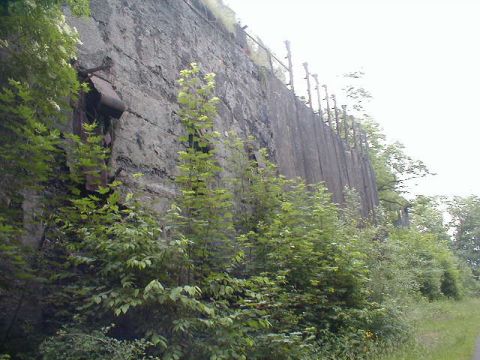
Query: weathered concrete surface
<point>150,41</point>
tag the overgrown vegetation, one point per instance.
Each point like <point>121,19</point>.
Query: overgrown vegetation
<point>245,265</point>
<point>465,213</point>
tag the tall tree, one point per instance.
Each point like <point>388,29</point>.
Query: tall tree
<point>393,167</point>
<point>427,216</point>
<point>36,83</point>
<point>205,216</point>
<point>465,213</point>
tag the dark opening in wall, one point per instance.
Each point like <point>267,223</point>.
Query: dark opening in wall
<point>194,141</point>
<point>100,105</point>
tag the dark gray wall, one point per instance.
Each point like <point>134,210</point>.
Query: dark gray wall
<point>150,41</point>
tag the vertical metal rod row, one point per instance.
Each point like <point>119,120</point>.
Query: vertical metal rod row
<point>309,89</point>
<point>319,99</point>
<point>342,150</point>
<point>329,115</point>
<point>334,142</point>
<point>290,65</point>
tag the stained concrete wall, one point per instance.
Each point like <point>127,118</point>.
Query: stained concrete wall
<point>150,41</point>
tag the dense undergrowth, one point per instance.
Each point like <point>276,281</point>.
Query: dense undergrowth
<point>245,265</point>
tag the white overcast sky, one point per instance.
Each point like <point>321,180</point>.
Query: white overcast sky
<point>422,65</point>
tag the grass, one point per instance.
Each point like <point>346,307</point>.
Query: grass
<point>444,330</point>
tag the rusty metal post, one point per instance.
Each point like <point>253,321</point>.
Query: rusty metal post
<point>290,65</point>
<point>319,98</point>
<point>342,150</point>
<point>309,89</point>
<point>335,110</point>
<point>334,143</point>
<point>329,115</point>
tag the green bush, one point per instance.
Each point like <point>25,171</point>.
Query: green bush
<point>245,265</point>
<point>420,263</point>
<point>76,344</point>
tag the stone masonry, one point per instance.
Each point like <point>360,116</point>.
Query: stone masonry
<point>149,42</point>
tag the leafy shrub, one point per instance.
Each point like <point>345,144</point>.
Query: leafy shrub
<point>251,267</point>
<point>76,344</point>
<point>421,263</point>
